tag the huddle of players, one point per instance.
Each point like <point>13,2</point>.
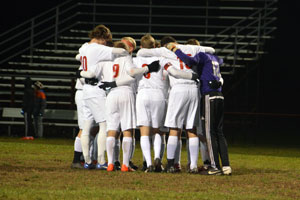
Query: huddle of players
<point>155,91</point>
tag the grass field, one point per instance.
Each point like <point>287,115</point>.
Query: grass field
<point>40,169</point>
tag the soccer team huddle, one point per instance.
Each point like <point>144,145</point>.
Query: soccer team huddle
<point>163,90</point>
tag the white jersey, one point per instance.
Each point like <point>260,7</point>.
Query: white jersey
<point>79,84</point>
<point>179,66</point>
<point>121,67</point>
<point>120,104</point>
<point>190,50</point>
<point>90,55</point>
<point>154,80</point>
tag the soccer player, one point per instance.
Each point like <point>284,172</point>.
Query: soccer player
<point>91,54</point>
<point>131,44</point>
<point>150,107</point>
<point>208,67</point>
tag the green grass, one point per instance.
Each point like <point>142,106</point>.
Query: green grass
<point>40,169</point>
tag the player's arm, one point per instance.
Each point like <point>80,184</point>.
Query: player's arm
<point>185,58</point>
<point>179,73</point>
<point>157,52</point>
<point>152,67</point>
<point>120,82</point>
<point>208,49</point>
<point>77,57</point>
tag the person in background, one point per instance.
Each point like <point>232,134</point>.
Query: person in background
<point>39,108</point>
<point>27,106</point>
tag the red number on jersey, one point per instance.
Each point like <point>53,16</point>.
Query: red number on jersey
<point>83,61</point>
<point>116,70</point>
<point>182,63</point>
<point>147,76</point>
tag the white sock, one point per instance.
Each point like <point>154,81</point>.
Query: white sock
<point>194,151</point>
<point>145,145</point>
<point>101,143</point>
<point>157,145</point>
<point>77,144</point>
<point>117,150</point>
<point>178,152</point>
<point>85,141</point>
<point>163,146</point>
<point>126,147</point>
<point>171,147</point>
<point>110,144</point>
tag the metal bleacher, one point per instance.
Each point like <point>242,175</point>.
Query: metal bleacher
<point>45,46</point>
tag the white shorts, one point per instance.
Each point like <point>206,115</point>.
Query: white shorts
<point>183,107</point>
<point>79,105</point>
<point>120,109</point>
<point>150,108</point>
<point>94,109</point>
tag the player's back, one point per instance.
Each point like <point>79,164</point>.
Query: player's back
<point>153,80</point>
<point>120,69</point>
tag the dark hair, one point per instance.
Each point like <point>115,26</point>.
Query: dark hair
<point>193,41</point>
<point>166,39</point>
<point>101,32</point>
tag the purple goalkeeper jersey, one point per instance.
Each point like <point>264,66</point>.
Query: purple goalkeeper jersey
<point>207,67</point>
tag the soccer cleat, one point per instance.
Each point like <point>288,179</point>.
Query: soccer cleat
<point>133,166</point>
<point>193,171</point>
<point>203,168</point>
<point>76,165</point>
<point>149,169</point>
<point>170,166</point>
<point>177,167</point>
<point>157,165</point>
<point>144,168</point>
<point>124,168</point>
<point>101,167</point>
<point>211,171</point>
<point>110,168</point>
<point>89,166</point>
<point>117,165</point>
<point>226,170</point>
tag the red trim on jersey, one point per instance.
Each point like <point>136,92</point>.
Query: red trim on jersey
<point>167,66</point>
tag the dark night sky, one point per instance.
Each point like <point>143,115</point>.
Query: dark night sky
<point>280,77</point>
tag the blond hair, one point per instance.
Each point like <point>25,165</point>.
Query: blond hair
<point>147,41</point>
<point>121,44</point>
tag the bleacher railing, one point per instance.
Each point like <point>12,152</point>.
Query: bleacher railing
<point>150,16</point>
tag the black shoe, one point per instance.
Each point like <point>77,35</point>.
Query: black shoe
<point>149,169</point>
<point>170,166</point>
<point>211,171</point>
<point>158,165</point>
<point>144,168</point>
<point>133,166</point>
<point>117,165</point>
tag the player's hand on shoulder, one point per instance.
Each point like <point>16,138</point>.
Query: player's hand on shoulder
<point>171,46</point>
<point>154,66</point>
<point>91,81</point>
<point>108,85</point>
